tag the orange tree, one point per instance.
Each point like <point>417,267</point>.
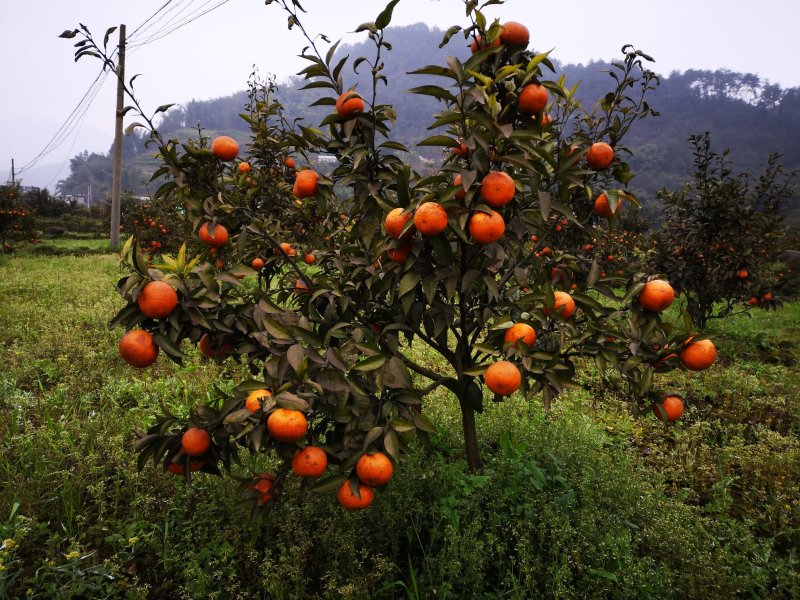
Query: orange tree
<point>722,234</point>
<point>16,221</point>
<point>347,292</point>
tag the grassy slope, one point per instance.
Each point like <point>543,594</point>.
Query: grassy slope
<point>585,502</point>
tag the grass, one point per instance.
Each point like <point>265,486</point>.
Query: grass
<point>586,501</point>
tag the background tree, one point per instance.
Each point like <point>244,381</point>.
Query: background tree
<point>722,233</point>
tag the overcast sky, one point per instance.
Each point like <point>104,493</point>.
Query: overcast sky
<point>213,55</point>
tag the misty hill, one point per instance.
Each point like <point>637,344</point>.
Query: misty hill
<point>741,111</point>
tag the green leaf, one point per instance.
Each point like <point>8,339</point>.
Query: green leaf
<point>371,363</point>
<point>395,374</point>
<point>423,423</point>
<point>408,283</point>
<point>440,140</point>
<point>328,484</point>
<point>385,17</point>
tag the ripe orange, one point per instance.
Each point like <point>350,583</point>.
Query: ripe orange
<point>742,274</point>
<point>349,104</point>
<point>395,221</point>
<point>656,295</point>
<point>399,255</point>
<point>564,305</point>
<point>497,189</point>
<point>177,468</point>
<point>375,469</point>
<point>430,218</point>
<point>600,156</point>
<point>520,331</point>
<point>669,409</point>
<point>697,356</point>
<point>486,228</point>
<point>603,208</point>
<point>289,162</point>
<point>306,183</point>
<point>753,301</point>
<point>225,147</point>
<point>533,98</point>
<point>350,501</point>
<point>287,425</point>
<point>195,441</point>
<point>258,263</point>
<point>265,487</point>
<point>287,249</point>
<point>216,238</point>
<point>311,461</point>
<point>213,350</point>
<point>309,258</point>
<point>301,287</point>
<point>767,297</point>
<point>462,150</point>
<point>157,299</point>
<point>255,400</point>
<point>138,349</point>
<point>244,167</point>
<point>461,193</point>
<point>478,44</point>
<point>515,34</point>
<point>503,378</point>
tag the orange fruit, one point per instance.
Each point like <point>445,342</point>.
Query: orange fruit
<point>600,156</point>
<point>289,162</point>
<point>305,183</point>
<point>287,425</point>
<point>350,501</point>
<point>195,441</point>
<point>742,274</point>
<point>699,355</point>
<point>177,468</point>
<point>669,409</point>
<point>244,167</point>
<point>461,193</point>
<point>520,331</point>
<point>503,378</point>
<point>564,305</point>
<point>349,104</point>
<point>477,44</point>
<point>430,218</point>
<point>497,189</point>
<point>603,208</point>
<point>301,287</point>
<point>395,221</point>
<point>753,301</point>
<point>375,469</point>
<point>399,255</point>
<point>264,485</point>
<point>311,461</point>
<point>215,238</point>
<point>138,349</point>
<point>258,263</point>
<point>767,297</point>
<point>255,400</point>
<point>515,34</point>
<point>462,150</point>
<point>533,98</point>
<point>486,228</point>
<point>212,350</point>
<point>157,299</point>
<point>287,249</point>
<point>225,147</point>
<point>656,295</point>
<point>309,258</point>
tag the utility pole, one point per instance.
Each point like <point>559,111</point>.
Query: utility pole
<point>13,175</point>
<point>116,185</point>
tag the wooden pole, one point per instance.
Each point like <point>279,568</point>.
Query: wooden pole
<point>116,185</point>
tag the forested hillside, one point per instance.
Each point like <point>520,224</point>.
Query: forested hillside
<point>744,113</point>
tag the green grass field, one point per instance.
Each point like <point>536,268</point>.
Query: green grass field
<point>587,501</point>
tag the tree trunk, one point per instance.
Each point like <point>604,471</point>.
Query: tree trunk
<point>470,436</point>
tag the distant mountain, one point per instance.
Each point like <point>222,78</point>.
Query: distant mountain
<point>742,112</point>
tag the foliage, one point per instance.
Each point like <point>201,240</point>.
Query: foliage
<point>722,233</point>
<point>16,221</point>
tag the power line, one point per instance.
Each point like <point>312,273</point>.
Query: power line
<point>144,27</point>
<point>190,19</point>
